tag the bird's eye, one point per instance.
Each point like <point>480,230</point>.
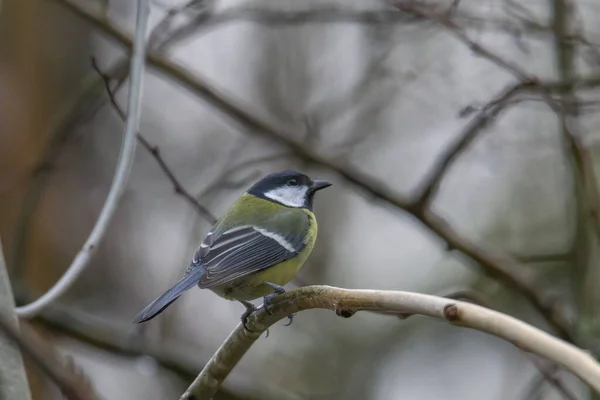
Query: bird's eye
<point>293,182</point>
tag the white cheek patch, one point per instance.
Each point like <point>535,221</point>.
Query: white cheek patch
<point>291,196</point>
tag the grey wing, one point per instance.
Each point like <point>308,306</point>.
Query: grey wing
<point>242,251</point>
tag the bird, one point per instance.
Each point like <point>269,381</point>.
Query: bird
<point>256,247</point>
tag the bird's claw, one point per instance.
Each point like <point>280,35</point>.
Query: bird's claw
<point>290,319</point>
<point>267,302</point>
<point>250,308</point>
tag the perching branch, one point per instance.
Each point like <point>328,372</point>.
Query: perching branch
<point>346,302</point>
<point>121,175</point>
<point>494,264</point>
<point>155,152</point>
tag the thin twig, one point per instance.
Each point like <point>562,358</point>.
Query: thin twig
<point>549,373</point>
<point>155,153</point>
<point>346,302</point>
<point>412,7</point>
<point>496,265</point>
<point>121,175</point>
<point>485,115</point>
<point>559,257</point>
<point>275,18</point>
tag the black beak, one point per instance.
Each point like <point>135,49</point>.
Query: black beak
<point>318,185</point>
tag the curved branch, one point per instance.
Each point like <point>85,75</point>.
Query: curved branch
<point>345,302</point>
<point>121,175</point>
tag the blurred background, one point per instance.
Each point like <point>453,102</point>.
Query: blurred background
<point>383,89</point>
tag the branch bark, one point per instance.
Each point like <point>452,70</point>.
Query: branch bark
<point>346,302</point>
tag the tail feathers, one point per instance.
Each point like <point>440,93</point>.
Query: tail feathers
<point>164,300</point>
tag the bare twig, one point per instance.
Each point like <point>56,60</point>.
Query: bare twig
<point>412,7</point>
<point>155,152</point>
<point>158,37</point>
<point>121,175</point>
<point>485,115</point>
<point>346,302</point>
<point>558,257</point>
<point>549,373</point>
<point>276,18</point>
<point>499,266</point>
<point>71,384</point>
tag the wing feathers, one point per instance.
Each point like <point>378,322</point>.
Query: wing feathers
<point>244,250</point>
<point>227,254</point>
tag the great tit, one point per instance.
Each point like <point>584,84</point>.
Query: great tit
<point>256,247</point>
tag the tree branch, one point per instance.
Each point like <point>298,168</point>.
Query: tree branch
<point>345,302</point>
<point>470,132</point>
<point>499,266</point>
<point>275,18</point>
<point>121,175</point>
<point>155,153</point>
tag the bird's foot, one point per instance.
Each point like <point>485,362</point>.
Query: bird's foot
<point>267,300</point>
<point>250,308</point>
<point>277,290</point>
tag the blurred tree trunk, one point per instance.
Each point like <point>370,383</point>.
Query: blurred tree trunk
<point>13,380</point>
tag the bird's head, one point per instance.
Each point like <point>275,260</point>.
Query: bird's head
<point>290,188</point>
